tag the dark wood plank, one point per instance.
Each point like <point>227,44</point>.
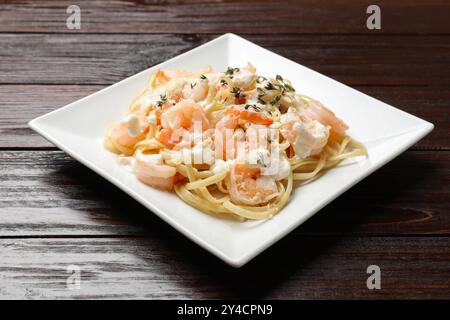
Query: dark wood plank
<point>170,267</point>
<point>21,103</point>
<point>430,103</point>
<point>46,193</point>
<point>105,59</point>
<point>252,16</point>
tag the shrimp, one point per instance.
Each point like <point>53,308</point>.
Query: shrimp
<point>178,121</point>
<point>247,186</point>
<point>230,121</point>
<point>175,139</point>
<point>185,114</point>
<point>223,133</point>
<point>196,91</point>
<point>245,78</point>
<point>127,133</point>
<point>158,79</point>
<point>250,115</point>
<point>151,170</point>
<point>166,137</point>
<point>317,111</point>
<point>255,117</point>
<point>307,137</point>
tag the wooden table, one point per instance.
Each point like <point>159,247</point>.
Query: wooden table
<point>54,212</point>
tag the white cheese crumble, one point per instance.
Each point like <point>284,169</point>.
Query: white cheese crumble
<point>281,166</point>
<point>150,158</point>
<point>133,124</point>
<point>243,78</point>
<point>152,119</point>
<point>311,137</point>
<point>221,165</point>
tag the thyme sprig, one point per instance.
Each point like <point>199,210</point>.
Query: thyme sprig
<point>261,95</point>
<point>162,100</point>
<point>231,71</point>
<point>278,84</point>
<point>237,92</point>
<point>253,106</point>
<point>283,84</point>
<point>261,79</point>
<point>276,100</point>
<point>269,86</point>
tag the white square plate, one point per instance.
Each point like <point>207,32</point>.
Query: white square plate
<point>386,131</point>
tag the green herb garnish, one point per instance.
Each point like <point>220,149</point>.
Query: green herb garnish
<point>289,87</point>
<point>261,79</point>
<point>260,160</point>
<point>161,101</point>
<point>283,85</point>
<point>231,71</point>
<point>276,100</point>
<point>254,106</point>
<point>260,99</point>
<point>237,92</point>
<point>269,86</point>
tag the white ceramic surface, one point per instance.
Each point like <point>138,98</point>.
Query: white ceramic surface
<point>386,131</point>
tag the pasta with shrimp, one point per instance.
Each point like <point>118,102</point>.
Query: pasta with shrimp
<point>230,143</point>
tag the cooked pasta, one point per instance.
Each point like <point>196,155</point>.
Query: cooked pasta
<point>232,144</point>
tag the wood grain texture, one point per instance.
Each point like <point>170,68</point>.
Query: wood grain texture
<point>298,267</point>
<point>220,16</point>
<point>47,193</point>
<point>21,103</point>
<point>106,59</point>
